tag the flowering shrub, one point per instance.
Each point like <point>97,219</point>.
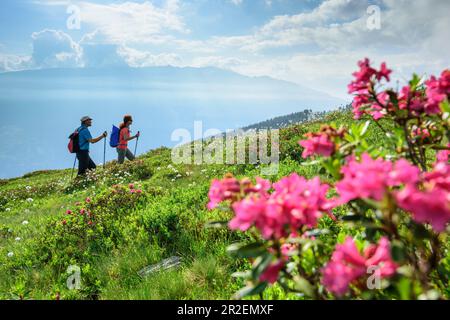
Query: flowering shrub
<point>92,225</point>
<point>388,206</point>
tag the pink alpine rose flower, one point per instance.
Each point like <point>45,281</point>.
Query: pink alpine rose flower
<point>443,155</point>
<point>317,144</point>
<point>437,91</point>
<point>347,264</point>
<point>384,72</point>
<point>371,179</point>
<point>403,172</point>
<point>229,188</point>
<point>271,273</point>
<point>364,179</point>
<point>431,206</point>
<point>221,190</point>
<point>247,212</point>
<point>295,202</point>
<point>439,177</point>
<point>380,257</point>
<point>412,100</point>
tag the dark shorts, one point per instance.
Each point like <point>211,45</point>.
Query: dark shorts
<point>84,162</point>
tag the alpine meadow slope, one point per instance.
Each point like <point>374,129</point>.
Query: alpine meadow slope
<point>359,209</point>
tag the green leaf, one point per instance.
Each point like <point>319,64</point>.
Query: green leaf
<point>404,288</point>
<point>415,81</point>
<point>398,251</point>
<point>244,250</point>
<point>364,128</point>
<point>311,163</point>
<point>303,285</point>
<point>216,224</point>
<point>251,290</point>
<point>260,264</point>
<point>351,217</point>
<point>242,274</point>
<point>445,106</point>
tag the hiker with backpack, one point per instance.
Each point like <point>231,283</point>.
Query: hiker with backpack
<point>121,139</point>
<point>79,144</point>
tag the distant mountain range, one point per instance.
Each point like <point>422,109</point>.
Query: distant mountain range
<point>188,81</point>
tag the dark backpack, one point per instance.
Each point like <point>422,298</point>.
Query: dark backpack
<point>74,142</point>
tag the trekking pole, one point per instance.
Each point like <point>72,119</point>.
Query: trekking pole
<point>135,147</point>
<point>104,152</point>
<point>73,168</point>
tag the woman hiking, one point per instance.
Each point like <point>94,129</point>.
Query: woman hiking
<point>124,137</point>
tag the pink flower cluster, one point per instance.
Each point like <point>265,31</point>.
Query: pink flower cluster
<point>378,104</point>
<point>271,273</point>
<point>295,202</point>
<point>363,79</point>
<point>431,203</point>
<point>437,90</point>
<point>370,179</point>
<point>347,265</point>
<point>362,86</point>
<point>230,188</point>
<point>413,100</point>
<point>317,144</point>
<point>133,190</point>
<point>426,196</point>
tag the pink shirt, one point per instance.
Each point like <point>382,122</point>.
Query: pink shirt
<point>123,144</point>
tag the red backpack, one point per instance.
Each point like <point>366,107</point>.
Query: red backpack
<point>74,142</point>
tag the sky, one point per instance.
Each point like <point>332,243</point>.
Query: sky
<point>313,43</point>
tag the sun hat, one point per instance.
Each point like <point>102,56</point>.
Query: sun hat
<point>85,118</point>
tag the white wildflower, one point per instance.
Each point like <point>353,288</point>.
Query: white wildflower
<point>25,222</point>
<point>18,239</point>
<point>30,200</point>
<point>10,254</point>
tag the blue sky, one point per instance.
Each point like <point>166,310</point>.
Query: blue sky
<point>310,42</point>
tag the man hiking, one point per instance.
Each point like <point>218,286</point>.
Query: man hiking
<point>84,160</point>
<point>124,137</point>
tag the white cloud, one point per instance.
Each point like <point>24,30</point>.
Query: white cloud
<point>10,62</point>
<point>132,22</point>
<point>52,49</point>
<point>136,58</point>
<point>319,48</point>
<point>236,2</point>
<point>218,61</point>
